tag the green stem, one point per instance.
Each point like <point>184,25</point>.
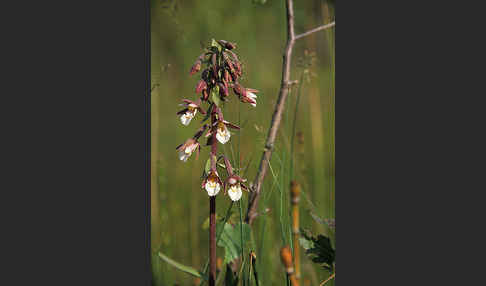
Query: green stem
<point>241,229</point>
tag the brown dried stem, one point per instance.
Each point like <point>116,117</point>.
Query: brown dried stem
<point>323,27</point>
<point>325,281</point>
<point>286,258</point>
<point>277,114</point>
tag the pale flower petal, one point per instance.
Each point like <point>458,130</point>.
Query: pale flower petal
<point>183,156</point>
<point>185,119</point>
<point>189,149</point>
<point>253,97</point>
<point>188,116</point>
<point>223,135</point>
<point>235,192</point>
<point>212,187</point>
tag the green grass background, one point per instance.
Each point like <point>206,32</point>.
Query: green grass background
<point>179,205</point>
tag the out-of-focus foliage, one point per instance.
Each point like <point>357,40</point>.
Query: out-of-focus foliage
<point>230,240</point>
<point>318,249</point>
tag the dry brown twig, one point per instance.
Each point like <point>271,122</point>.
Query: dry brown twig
<point>251,212</point>
<point>286,257</point>
<point>325,281</point>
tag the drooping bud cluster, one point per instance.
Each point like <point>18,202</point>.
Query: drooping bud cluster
<point>222,73</point>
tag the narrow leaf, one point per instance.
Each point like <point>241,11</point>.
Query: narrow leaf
<point>231,240</point>
<point>207,168</point>
<point>183,268</point>
<point>215,96</point>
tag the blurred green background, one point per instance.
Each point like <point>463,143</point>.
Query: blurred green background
<point>179,30</point>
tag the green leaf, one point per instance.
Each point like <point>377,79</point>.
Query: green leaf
<point>305,243</point>
<point>208,113</point>
<point>207,168</point>
<point>318,249</point>
<point>183,268</point>
<point>231,240</point>
<point>205,224</point>
<point>214,43</point>
<point>215,96</point>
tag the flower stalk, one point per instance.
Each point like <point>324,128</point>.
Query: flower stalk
<point>212,209</point>
<point>212,240</point>
<point>222,73</point>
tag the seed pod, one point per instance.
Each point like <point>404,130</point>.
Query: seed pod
<point>205,75</point>
<point>234,55</point>
<point>294,192</point>
<point>230,46</point>
<point>222,42</point>
<point>286,257</point>
<point>223,90</point>
<point>239,90</point>
<point>219,264</point>
<point>227,77</point>
<point>215,72</point>
<point>238,68</point>
<point>196,67</point>
<point>205,94</point>
<point>234,77</point>
<point>230,65</point>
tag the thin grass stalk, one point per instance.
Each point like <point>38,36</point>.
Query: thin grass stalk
<point>239,173</point>
<point>295,198</point>
<point>250,264</point>
<point>241,228</point>
<point>294,123</point>
<point>255,273</point>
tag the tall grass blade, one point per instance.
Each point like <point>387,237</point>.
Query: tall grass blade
<point>182,267</point>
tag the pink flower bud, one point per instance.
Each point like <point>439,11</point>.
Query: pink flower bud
<point>227,77</point>
<point>223,90</point>
<point>196,67</point>
<point>230,46</point>
<point>201,85</point>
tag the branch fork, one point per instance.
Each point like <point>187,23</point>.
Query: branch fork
<point>286,83</point>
